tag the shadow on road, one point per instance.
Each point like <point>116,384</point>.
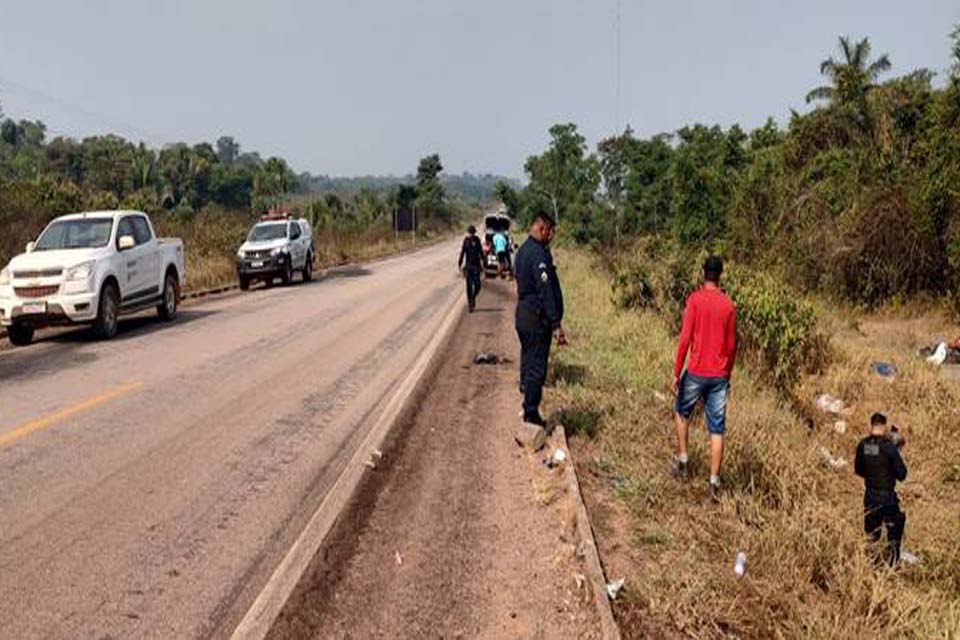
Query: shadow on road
<point>65,345</point>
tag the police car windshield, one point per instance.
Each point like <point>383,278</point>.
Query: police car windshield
<point>76,234</point>
<point>262,232</point>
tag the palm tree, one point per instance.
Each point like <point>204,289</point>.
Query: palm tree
<point>853,78</point>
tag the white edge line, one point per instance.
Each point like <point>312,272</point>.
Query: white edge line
<point>260,617</point>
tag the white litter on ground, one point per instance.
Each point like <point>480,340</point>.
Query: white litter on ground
<point>829,404</point>
<point>830,461</point>
<point>614,588</point>
<point>939,355</point>
<point>740,564</point>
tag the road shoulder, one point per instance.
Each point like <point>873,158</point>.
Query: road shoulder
<point>457,532</point>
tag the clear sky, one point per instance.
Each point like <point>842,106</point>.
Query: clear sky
<point>348,87</point>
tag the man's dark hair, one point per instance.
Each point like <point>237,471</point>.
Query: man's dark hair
<point>877,419</point>
<point>472,230</point>
<point>713,268</point>
<point>544,217</point>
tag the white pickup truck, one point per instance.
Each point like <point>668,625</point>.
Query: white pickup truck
<point>89,268</point>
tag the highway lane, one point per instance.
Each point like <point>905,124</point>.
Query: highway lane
<point>149,485</point>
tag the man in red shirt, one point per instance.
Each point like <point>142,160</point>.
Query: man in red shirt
<point>709,337</point>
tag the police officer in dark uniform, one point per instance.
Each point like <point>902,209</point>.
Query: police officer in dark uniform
<point>879,463</point>
<point>539,313</point>
<point>471,263</point>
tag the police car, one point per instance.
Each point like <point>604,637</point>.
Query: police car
<point>276,247</point>
<point>493,224</point>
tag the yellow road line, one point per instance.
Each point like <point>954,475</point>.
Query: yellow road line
<point>52,418</point>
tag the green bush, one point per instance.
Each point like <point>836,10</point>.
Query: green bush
<point>774,326</point>
<point>632,288</point>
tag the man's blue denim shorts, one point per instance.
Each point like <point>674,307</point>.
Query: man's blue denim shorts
<point>713,392</point>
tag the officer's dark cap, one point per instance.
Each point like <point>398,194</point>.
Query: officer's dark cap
<point>713,267</point>
<point>878,418</point>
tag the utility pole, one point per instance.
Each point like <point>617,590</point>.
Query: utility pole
<point>413,231</point>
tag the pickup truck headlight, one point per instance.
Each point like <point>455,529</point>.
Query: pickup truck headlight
<point>81,271</point>
<point>5,277</point>
<point>241,254</point>
<point>280,250</point>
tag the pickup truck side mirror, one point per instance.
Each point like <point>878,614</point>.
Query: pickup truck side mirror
<point>126,242</point>
<point>30,246</point>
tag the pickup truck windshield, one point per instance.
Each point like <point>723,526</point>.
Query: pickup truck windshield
<point>262,232</point>
<point>75,234</point>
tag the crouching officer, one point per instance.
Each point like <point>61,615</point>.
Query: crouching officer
<point>879,463</point>
<point>539,314</point>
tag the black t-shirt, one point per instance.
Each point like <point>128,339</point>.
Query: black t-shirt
<point>879,463</point>
<point>471,254</point>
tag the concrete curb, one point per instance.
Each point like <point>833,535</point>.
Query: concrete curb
<point>258,620</point>
<point>591,557</point>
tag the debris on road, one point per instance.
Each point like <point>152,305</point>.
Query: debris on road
<point>530,436</point>
<point>740,564</point>
<point>884,370</point>
<point>579,579</point>
<point>376,453</point>
<point>830,461</point>
<point>370,464</point>
<point>557,458</point>
<point>829,404</point>
<point>399,558</point>
<point>840,426</point>
<point>486,358</point>
<point>614,588</point>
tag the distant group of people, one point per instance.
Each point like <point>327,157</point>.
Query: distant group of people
<point>704,361</point>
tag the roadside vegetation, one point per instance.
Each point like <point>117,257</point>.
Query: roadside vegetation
<point>841,233</point>
<point>210,194</point>
<point>798,520</point>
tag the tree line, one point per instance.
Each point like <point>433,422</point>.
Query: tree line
<point>859,197</point>
<point>41,178</point>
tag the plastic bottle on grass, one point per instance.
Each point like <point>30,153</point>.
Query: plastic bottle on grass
<point>740,564</point>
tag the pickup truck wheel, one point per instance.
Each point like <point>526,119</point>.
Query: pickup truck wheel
<point>308,268</point>
<point>244,283</point>
<point>20,335</point>
<point>167,309</point>
<point>105,326</point>
<point>286,276</point>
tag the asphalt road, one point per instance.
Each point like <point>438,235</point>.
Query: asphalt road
<point>149,485</point>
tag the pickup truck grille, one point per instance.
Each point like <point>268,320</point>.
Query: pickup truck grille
<point>36,292</point>
<point>258,255</point>
<point>39,273</point>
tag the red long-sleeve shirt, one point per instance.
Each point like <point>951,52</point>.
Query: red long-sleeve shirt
<point>709,334</point>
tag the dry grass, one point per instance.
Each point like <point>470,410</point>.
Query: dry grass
<point>798,521</point>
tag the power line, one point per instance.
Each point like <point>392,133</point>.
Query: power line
<point>108,121</point>
<point>617,113</point>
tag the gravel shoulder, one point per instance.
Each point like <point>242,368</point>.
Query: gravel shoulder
<point>457,532</point>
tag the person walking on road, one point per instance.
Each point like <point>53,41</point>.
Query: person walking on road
<point>470,264</point>
<point>539,313</point>
<point>500,245</point>
<point>709,338</point>
<point>879,463</point>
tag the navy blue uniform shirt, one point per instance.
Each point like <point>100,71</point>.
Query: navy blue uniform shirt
<point>539,298</point>
<point>879,463</point>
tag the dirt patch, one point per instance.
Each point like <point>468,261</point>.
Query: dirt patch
<point>457,533</point>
